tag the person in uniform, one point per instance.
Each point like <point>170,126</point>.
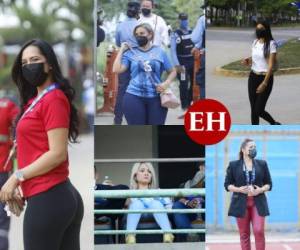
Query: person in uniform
<point>181,47</point>
<point>124,33</point>
<point>198,38</point>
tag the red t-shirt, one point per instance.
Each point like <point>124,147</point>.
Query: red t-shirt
<point>52,111</point>
<point>8,112</point>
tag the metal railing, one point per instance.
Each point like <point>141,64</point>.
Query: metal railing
<point>148,193</point>
<point>149,160</point>
<point>148,231</point>
<point>169,211</point>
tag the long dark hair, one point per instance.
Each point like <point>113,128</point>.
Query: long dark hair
<point>243,145</point>
<point>27,91</point>
<point>267,38</point>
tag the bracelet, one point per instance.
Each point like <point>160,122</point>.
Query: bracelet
<point>19,175</point>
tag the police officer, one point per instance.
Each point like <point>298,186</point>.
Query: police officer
<point>8,113</point>
<point>181,47</point>
<point>198,38</point>
<point>124,33</point>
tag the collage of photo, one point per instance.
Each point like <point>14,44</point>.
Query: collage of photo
<point>94,148</point>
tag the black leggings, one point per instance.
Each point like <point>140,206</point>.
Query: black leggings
<point>258,101</point>
<point>53,218</point>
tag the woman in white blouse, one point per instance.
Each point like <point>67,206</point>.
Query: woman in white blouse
<point>262,62</point>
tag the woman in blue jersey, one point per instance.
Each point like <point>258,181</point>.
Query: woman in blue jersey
<point>141,102</point>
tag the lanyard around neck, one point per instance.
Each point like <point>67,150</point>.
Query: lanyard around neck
<point>32,105</point>
<point>38,98</point>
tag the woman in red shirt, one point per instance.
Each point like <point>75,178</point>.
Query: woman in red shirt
<point>47,121</point>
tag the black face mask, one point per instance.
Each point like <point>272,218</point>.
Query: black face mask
<point>142,40</point>
<point>252,153</point>
<point>261,33</point>
<point>146,12</point>
<point>131,13</point>
<point>34,74</point>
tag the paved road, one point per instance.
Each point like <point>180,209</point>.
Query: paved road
<point>246,35</point>
<point>227,45</point>
<point>270,246</point>
<point>289,240</point>
<point>81,169</point>
<point>172,117</point>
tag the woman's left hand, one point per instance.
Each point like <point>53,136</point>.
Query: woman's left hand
<point>257,190</point>
<point>8,189</point>
<point>161,87</point>
<point>261,88</point>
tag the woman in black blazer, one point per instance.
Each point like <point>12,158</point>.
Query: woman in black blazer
<point>248,179</point>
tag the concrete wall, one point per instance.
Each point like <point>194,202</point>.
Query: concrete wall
<point>115,142</point>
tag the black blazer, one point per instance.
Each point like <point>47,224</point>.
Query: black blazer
<point>235,176</point>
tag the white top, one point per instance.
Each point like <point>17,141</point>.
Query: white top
<point>259,62</point>
<point>161,35</point>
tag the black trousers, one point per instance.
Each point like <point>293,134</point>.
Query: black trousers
<point>53,218</point>
<point>186,86</point>
<point>258,101</point>
<point>124,79</point>
<point>4,219</point>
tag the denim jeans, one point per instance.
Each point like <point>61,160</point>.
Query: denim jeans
<point>182,221</point>
<point>137,204</point>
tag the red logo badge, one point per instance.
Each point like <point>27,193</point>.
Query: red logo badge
<point>207,122</point>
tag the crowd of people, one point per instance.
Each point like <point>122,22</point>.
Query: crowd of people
<point>145,42</point>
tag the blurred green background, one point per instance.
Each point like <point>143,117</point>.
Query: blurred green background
<point>243,12</point>
<point>66,24</point>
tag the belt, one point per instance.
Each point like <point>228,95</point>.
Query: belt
<point>259,73</point>
<point>4,138</point>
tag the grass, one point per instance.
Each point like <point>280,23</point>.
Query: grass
<point>288,57</point>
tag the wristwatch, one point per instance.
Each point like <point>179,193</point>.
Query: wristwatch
<point>19,175</point>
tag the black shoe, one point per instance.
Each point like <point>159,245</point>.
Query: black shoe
<point>277,123</point>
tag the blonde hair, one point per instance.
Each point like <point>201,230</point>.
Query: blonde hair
<point>145,26</point>
<point>135,169</point>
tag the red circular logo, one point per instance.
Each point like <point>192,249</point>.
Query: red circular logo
<point>207,122</point>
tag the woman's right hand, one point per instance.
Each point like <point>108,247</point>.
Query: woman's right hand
<point>124,46</point>
<point>19,199</point>
<point>246,61</point>
<point>179,69</point>
<point>243,189</point>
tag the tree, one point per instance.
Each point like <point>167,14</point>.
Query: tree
<point>191,7</point>
<point>167,10</point>
<point>223,12</point>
